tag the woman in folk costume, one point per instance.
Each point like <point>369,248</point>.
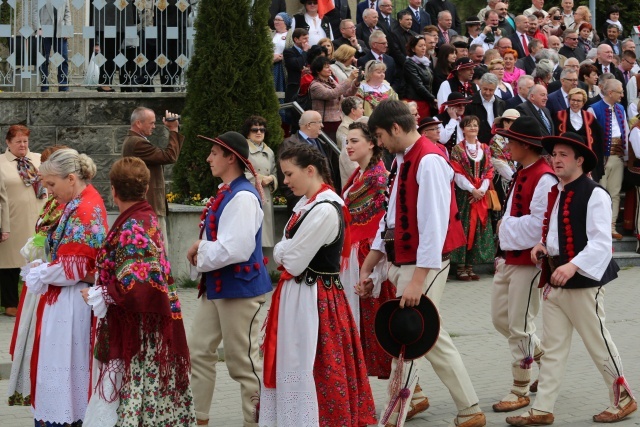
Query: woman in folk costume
<point>61,359</point>
<point>471,161</point>
<point>19,391</point>
<point>140,345</point>
<point>314,370</point>
<point>363,195</point>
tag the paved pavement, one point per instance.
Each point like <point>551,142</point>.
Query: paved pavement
<point>465,309</point>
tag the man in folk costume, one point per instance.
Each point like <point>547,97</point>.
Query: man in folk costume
<point>576,256</point>
<point>451,114</point>
<point>458,81</point>
<point>420,229</point>
<point>613,119</point>
<point>515,299</point>
<point>234,280</point>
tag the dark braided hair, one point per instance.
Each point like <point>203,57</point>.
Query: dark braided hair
<point>377,150</point>
<point>304,155</point>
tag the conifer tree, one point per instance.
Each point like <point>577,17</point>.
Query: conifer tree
<point>229,79</point>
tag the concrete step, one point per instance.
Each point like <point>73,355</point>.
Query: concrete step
<point>627,244</point>
<point>627,259</point>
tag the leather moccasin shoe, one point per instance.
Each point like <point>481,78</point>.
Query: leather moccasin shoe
<point>533,388</point>
<point>616,235</point>
<point>416,408</point>
<point>202,422</point>
<point>473,420</point>
<point>11,311</point>
<point>511,405</point>
<point>608,417</point>
<point>531,420</point>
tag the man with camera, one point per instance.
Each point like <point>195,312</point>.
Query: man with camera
<point>490,33</point>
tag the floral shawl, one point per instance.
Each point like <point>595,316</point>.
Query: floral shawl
<point>78,237</point>
<point>143,309</point>
<point>365,201</point>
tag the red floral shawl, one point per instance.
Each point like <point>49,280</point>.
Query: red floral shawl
<point>365,201</point>
<point>143,306</point>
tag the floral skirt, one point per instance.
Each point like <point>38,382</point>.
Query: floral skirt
<point>145,403</point>
<point>484,248</point>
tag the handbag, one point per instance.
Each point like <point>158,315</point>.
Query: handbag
<point>491,196</point>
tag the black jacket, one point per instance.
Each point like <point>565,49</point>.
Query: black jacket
<point>294,62</point>
<point>433,7</point>
<point>516,43</point>
<point>339,41</point>
<point>577,53</point>
<point>528,64</point>
<point>417,82</point>
<point>528,109</point>
<point>475,108</point>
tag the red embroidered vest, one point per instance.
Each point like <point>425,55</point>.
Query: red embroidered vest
<point>406,232</point>
<point>521,191</point>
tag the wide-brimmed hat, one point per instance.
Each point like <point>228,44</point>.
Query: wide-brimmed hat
<point>456,98</point>
<point>462,63</point>
<point>472,21</point>
<point>577,142</point>
<point>412,331</point>
<point>524,129</point>
<point>427,121</point>
<point>234,142</point>
<point>510,114</point>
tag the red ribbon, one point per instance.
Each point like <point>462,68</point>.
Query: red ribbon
<point>271,336</point>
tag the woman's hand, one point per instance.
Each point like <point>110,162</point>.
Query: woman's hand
<point>85,294</point>
<point>4,236</point>
<point>266,180</point>
<point>277,57</point>
<point>354,75</point>
<point>477,194</point>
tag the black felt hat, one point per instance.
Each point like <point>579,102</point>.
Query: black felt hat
<point>456,98</point>
<point>427,121</point>
<point>523,129</point>
<point>463,63</point>
<point>234,142</point>
<point>577,142</point>
<point>411,330</point>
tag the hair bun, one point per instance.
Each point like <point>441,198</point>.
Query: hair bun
<point>87,168</point>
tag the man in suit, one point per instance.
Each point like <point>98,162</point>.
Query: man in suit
<point>420,18</point>
<point>433,7</point>
<point>525,83</point>
<point>367,26</point>
<point>379,44</point>
<point>486,106</point>
<point>613,32</point>
<point>528,63</point>
<point>520,39</point>
<point>559,100</point>
<point>385,19</point>
<point>366,4</point>
<point>310,128</point>
<point>295,58</point>
<point>136,144</point>
<point>571,48</point>
<point>56,22</point>
<point>348,37</point>
<point>604,64</point>
<point>445,21</point>
<point>573,65</point>
<point>404,32</point>
<point>535,106</point>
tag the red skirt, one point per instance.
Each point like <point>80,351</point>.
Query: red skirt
<point>423,108</point>
<point>340,373</point>
<point>377,360</point>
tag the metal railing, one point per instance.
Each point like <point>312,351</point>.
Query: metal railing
<point>65,44</point>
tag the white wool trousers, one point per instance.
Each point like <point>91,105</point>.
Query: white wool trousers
<point>444,356</point>
<point>235,320</point>
<point>563,311</point>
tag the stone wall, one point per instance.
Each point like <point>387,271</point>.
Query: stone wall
<point>92,123</point>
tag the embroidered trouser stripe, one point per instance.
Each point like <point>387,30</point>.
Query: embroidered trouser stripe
<point>234,320</point>
<point>563,311</point>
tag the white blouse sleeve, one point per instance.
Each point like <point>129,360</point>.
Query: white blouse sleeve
<point>97,302</point>
<point>320,227</point>
<point>592,261</point>
<point>463,182</point>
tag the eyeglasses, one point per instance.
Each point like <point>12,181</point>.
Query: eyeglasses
<point>278,20</point>
<point>628,62</point>
<point>580,100</point>
<point>256,130</point>
<point>382,43</point>
<point>349,28</point>
<point>570,80</point>
<point>385,5</point>
<point>419,37</point>
<point>571,38</point>
<point>311,123</point>
<point>497,69</point>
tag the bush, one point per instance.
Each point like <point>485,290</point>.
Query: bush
<point>229,79</point>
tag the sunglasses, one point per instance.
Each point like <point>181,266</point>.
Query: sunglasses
<point>256,130</point>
